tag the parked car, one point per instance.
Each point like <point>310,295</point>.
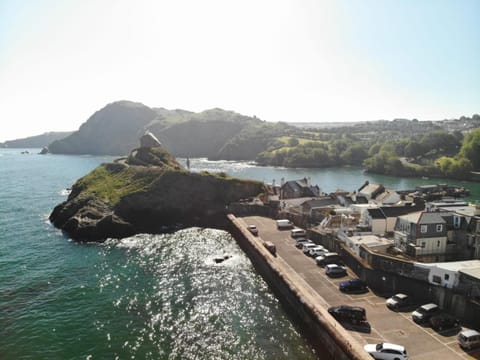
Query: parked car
<point>307,246</point>
<point>297,232</point>
<point>313,251</point>
<point>284,224</point>
<point>318,252</point>
<point>270,247</point>
<point>444,321</point>
<point>386,351</point>
<point>399,301</point>
<point>335,270</point>
<point>353,285</point>
<point>469,339</point>
<point>301,241</point>
<point>423,313</point>
<point>253,229</point>
<point>328,258</point>
<point>351,314</point>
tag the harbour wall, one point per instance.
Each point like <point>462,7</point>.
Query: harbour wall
<point>329,339</point>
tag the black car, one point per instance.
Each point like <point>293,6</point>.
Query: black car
<point>353,285</point>
<point>351,314</point>
<point>444,321</point>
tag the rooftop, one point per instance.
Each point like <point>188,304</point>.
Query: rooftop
<point>469,267</point>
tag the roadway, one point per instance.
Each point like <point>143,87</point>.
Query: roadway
<point>422,343</point>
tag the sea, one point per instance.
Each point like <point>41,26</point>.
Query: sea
<point>143,297</point>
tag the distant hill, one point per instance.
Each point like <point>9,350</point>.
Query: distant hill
<point>113,130</point>
<point>214,133</point>
<point>38,141</point>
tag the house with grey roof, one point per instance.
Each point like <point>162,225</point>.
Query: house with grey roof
<point>370,191</point>
<point>423,235</point>
<point>382,220</point>
<point>387,197</point>
<point>298,189</point>
<point>375,193</point>
<point>376,220</point>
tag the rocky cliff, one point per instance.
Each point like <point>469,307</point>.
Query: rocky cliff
<point>146,192</point>
<point>113,130</point>
<point>214,133</point>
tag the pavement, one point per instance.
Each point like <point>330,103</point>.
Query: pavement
<point>421,342</point>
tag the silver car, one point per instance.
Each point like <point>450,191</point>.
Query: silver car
<point>307,247</point>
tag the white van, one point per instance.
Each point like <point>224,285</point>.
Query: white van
<point>469,339</point>
<point>297,232</point>
<point>284,224</point>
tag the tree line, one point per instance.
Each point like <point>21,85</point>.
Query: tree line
<point>438,153</point>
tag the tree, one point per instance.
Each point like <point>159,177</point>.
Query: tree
<point>374,149</point>
<point>293,142</point>
<point>444,164</point>
<point>471,148</point>
<point>413,149</point>
<point>458,167</point>
<point>353,155</point>
<point>440,141</point>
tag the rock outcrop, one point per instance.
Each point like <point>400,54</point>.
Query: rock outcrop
<point>146,192</point>
<point>149,140</point>
<point>44,150</point>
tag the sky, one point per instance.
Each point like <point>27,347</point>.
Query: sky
<point>280,60</point>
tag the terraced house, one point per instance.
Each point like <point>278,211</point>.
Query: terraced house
<point>423,235</point>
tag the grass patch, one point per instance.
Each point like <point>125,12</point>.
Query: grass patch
<point>112,186</point>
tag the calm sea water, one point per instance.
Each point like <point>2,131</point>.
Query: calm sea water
<point>144,297</point>
<point>329,180</point>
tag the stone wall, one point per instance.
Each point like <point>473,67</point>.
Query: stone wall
<point>301,302</point>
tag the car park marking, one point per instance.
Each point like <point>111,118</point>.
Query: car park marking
<point>328,289</point>
<point>425,330</point>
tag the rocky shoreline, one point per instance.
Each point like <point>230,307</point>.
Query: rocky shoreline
<point>149,192</point>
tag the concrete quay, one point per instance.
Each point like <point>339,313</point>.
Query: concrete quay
<point>422,343</point>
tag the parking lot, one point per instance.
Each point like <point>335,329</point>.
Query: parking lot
<point>421,342</point>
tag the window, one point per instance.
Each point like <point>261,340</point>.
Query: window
<point>423,244</point>
<point>439,227</point>
<point>446,277</point>
<point>457,222</point>
<point>423,229</point>
<point>438,243</point>
<point>437,279</point>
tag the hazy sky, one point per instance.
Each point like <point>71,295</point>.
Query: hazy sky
<point>318,60</point>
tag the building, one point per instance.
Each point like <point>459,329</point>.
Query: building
<point>449,274</point>
<point>370,191</point>
<point>382,220</point>
<point>298,189</point>
<point>423,235</point>
<point>373,242</point>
